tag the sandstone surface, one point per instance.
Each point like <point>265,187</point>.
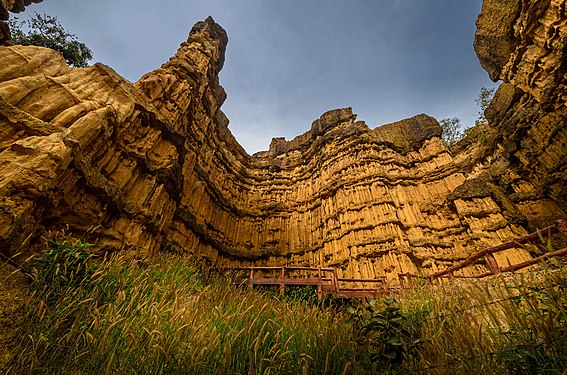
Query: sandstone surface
<point>153,166</point>
<point>528,115</point>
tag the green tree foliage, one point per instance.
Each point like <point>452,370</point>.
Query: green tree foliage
<point>451,130</point>
<point>483,101</point>
<point>46,31</point>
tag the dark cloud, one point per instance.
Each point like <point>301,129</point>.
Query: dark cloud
<point>289,61</point>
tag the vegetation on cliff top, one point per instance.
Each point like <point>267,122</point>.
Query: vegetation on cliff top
<point>452,129</point>
<point>163,316</point>
<point>45,31</point>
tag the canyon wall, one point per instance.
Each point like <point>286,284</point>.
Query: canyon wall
<point>153,166</point>
<point>524,44</point>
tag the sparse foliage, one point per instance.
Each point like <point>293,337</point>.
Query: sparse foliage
<point>483,101</point>
<point>384,333</point>
<point>451,130</point>
<point>45,31</point>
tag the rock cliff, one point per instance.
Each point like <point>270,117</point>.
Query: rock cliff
<point>524,44</point>
<point>153,166</point>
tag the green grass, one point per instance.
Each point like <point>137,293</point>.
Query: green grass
<point>513,324</point>
<point>161,316</point>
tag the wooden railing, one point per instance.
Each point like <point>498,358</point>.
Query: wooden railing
<point>560,226</point>
<point>328,283</point>
<point>325,279</point>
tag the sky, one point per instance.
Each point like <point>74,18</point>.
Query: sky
<point>289,61</point>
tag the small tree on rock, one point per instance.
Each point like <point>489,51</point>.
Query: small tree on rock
<point>483,101</point>
<point>46,31</point>
<point>451,130</point>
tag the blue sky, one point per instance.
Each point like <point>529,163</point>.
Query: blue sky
<point>288,61</point>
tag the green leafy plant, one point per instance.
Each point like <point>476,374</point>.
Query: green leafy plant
<point>479,133</point>
<point>483,101</point>
<point>45,31</point>
<point>452,128</point>
<point>383,332</point>
<point>64,264</point>
<point>307,294</point>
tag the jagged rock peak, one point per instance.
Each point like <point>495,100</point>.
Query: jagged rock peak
<point>403,136</point>
<point>215,32</point>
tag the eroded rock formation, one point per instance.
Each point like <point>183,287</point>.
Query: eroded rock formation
<point>153,167</point>
<point>524,44</point>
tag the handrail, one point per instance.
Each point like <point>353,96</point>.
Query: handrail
<point>323,284</point>
<point>274,268</point>
<point>560,226</point>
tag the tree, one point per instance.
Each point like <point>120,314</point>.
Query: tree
<point>483,101</point>
<point>46,31</point>
<point>451,130</point>
<point>451,127</point>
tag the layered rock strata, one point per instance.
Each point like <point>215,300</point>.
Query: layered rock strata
<point>524,44</point>
<point>153,167</point>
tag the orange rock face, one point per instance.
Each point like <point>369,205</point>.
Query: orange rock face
<point>528,114</point>
<point>153,167</point>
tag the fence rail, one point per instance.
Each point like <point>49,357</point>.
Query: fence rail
<point>324,278</point>
<point>560,226</point>
<point>328,283</point>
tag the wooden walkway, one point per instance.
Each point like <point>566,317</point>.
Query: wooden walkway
<point>327,282</point>
<point>323,278</point>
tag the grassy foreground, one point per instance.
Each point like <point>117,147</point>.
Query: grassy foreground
<point>161,316</point>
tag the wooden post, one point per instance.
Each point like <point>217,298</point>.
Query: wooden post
<point>251,279</point>
<point>282,285</point>
<point>492,263</point>
<point>335,280</point>
<point>319,285</point>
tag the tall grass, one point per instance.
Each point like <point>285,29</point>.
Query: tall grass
<point>513,324</point>
<point>160,316</point>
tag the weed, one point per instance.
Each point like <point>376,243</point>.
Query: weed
<point>119,317</point>
<point>162,317</point>
<point>383,332</point>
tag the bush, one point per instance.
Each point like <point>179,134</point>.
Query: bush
<point>384,333</point>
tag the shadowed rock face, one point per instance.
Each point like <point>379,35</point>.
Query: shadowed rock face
<point>528,113</point>
<point>153,167</point>
<point>15,6</point>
